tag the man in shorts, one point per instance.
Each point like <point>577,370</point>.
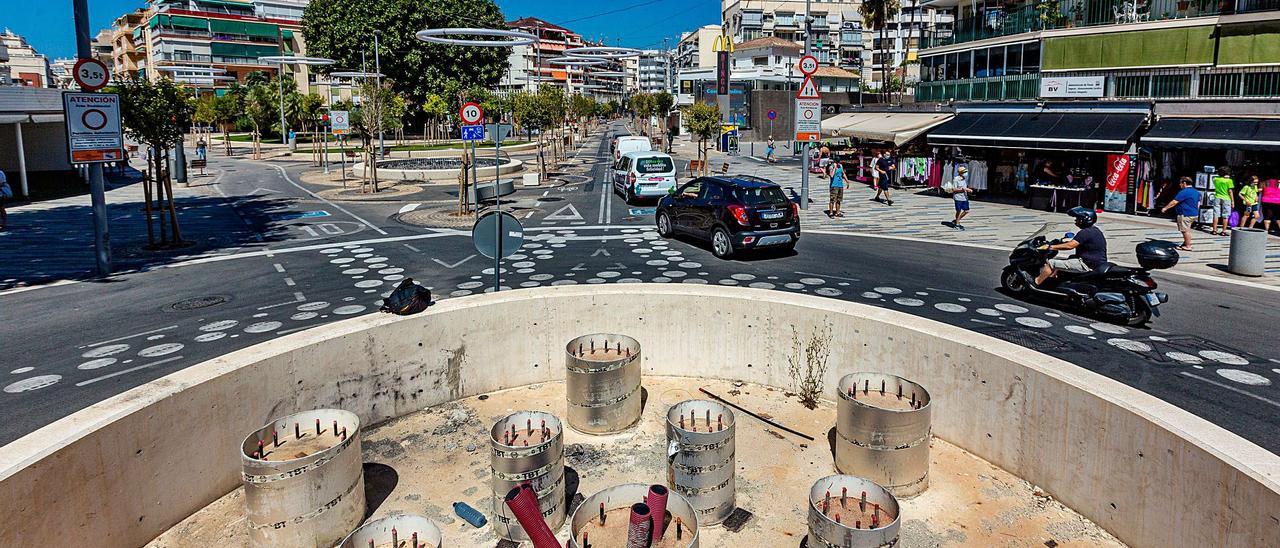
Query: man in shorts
<point>1089,244</point>
<point>959,189</point>
<point>1224,200</point>
<point>1186,204</point>
<point>837,191</point>
<point>884,176</point>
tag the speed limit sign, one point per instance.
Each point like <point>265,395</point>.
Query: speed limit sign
<point>471,114</point>
<point>91,74</point>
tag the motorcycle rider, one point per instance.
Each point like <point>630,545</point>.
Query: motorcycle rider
<point>1089,244</point>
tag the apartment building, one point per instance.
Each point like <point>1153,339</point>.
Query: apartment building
<point>209,43</point>
<point>531,65</point>
<point>695,48</point>
<point>652,71</point>
<point>127,53</point>
<point>25,65</point>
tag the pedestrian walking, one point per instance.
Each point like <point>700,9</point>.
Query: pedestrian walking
<point>6,192</point>
<point>1270,205</point>
<point>1250,209</point>
<point>201,149</point>
<point>1186,207</point>
<point>837,191</point>
<point>959,190</point>
<point>768,151</point>
<point>1224,199</point>
<point>884,176</point>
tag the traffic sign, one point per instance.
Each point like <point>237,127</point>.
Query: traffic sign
<point>471,114</point>
<point>499,132</point>
<point>808,65</point>
<point>93,127</point>
<point>773,114</point>
<point>486,232</point>
<point>808,119</point>
<point>808,89</point>
<point>341,121</point>
<point>91,74</point>
<point>472,133</point>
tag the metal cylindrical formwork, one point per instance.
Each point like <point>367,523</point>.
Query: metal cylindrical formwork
<point>527,447</point>
<point>700,457</point>
<point>303,479</point>
<point>401,528</point>
<point>602,381</point>
<point>851,512</point>
<point>883,429</point>
<point>681,519</point>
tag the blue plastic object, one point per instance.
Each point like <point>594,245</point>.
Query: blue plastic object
<point>473,516</point>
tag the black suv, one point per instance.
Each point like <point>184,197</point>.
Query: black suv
<point>734,213</point>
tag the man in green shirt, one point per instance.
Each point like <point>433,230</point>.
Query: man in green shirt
<point>1224,200</point>
<point>1249,199</point>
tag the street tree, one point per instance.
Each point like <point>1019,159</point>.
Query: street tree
<point>583,109</point>
<point>642,105</point>
<point>155,113</point>
<point>206,110</point>
<point>435,110</point>
<point>531,116</point>
<point>662,103</point>
<point>260,108</point>
<point>227,110</point>
<point>875,16</point>
<point>380,108</point>
<point>310,109</point>
<point>702,120</point>
<point>343,30</point>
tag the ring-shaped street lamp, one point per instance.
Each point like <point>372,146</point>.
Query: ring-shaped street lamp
<point>576,61</point>
<point>193,70</point>
<point>507,38</point>
<point>283,60</point>
<point>356,74</point>
<point>609,73</point>
<point>602,52</point>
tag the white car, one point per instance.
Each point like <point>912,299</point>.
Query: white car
<point>644,174</point>
<point>630,143</point>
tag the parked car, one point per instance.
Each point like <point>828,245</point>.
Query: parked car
<point>630,143</point>
<point>643,175</point>
<point>734,213</point>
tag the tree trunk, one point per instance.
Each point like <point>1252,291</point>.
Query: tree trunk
<point>173,213</point>
<point>146,197</point>
<point>158,160</point>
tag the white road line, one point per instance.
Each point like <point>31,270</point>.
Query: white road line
<point>608,207</point>
<point>279,267</point>
<point>125,371</point>
<point>285,174</point>
<point>130,336</point>
<point>299,296</point>
<point>289,281</point>
<point>288,331</point>
<point>312,248</point>
<point>414,249</point>
<point>1232,388</point>
<point>603,190</point>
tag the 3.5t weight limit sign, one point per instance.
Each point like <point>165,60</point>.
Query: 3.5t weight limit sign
<point>471,114</point>
<point>90,74</point>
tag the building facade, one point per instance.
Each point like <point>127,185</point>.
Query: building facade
<point>26,66</point>
<point>650,72</point>
<point>696,48</point>
<point>532,65</point>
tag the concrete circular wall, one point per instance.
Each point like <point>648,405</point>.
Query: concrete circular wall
<point>126,469</point>
<point>510,165</point>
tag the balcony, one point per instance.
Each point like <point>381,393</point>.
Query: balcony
<point>184,57</point>
<point>1002,88</point>
<point>995,22</point>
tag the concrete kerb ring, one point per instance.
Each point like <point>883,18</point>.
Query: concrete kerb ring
<point>512,37</point>
<point>602,52</point>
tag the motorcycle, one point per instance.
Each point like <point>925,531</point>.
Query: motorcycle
<point>1112,292</point>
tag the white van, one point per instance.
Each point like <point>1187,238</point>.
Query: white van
<point>630,143</point>
<point>644,174</point>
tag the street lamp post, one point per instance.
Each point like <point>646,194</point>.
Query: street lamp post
<point>804,175</point>
<point>377,68</point>
<point>97,184</point>
<point>281,61</point>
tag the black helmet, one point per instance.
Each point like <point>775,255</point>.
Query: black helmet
<point>1085,217</point>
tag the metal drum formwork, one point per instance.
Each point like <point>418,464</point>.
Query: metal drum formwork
<point>528,447</point>
<point>396,531</point>
<point>700,457</point>
<point>883,429</point>
<point>303,479</point>
<point>617,502</point>
<point>851,512</point>
<point>602,383</point>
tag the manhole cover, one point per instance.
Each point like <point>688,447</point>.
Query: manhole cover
<point>1035,340</point>
<point>197,303</point>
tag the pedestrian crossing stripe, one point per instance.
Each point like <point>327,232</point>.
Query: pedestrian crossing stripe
<point>561,215</point>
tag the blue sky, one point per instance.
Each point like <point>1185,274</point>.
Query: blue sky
<point>643,25</point>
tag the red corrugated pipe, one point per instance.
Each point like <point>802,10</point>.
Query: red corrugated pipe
<point>657,502</point>
<point>524,504</point>
<point>638,531</point>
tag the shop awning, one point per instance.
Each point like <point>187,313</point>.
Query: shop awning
<point>887,127</point>
<point>1042,130</point>
<point>1219,133</point>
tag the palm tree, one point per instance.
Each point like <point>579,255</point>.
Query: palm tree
<point>875,16</point>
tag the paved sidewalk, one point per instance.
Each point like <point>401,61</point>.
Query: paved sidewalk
<point>919,214</point>
<point>52,240</point>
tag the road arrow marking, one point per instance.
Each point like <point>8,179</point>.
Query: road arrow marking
<point>560,214</point>
<point>600,252</point>
<point>454,265</point>
<point>619,266</point>
<point>265,191</point>
<point>579,267</point>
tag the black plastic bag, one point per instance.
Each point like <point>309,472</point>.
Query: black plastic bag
<point>408,298</point>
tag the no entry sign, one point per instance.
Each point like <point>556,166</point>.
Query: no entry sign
<point>93,127</point>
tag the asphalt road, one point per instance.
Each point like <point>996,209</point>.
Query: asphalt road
<point>65,347</point>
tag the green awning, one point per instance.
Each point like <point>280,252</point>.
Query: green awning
<point>1250,44</point>
<point>229,3</point>
<point>1150,48</point>
<point>137,33</point>
<point>223,49</point>
<point>184,22</point>
<point>286,34</point>
<point>243,28</point>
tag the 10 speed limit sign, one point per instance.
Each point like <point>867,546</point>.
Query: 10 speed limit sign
<point>471,114</point>
<point>91,74</point>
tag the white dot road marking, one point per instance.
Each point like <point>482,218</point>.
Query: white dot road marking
<point>210,337</point>
<point>105,351</point>
<point>1223,357</point>
<point>126,337</point>
<point>129,370</point>
<point>1246,393</point>
<point>262,327</point>
<point>33,383</point>
<point>160,350</point>
<point>21,370</point>
<point>96,364</point>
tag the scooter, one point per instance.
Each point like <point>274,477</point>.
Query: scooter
<point>1113,293</point>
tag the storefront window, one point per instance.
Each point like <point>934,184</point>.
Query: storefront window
<point>995,61</point>
<point>980,63</point>
<point>1013,60</point>
<point>1031,58</point>
<point>953,61</point>
<point>965,65</point>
